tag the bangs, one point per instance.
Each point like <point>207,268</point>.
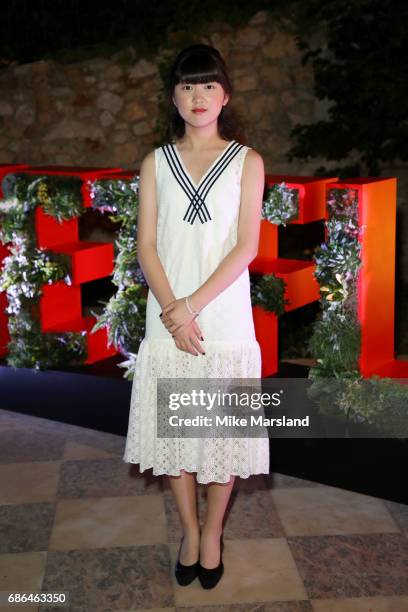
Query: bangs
<point>200,77</point>
<point>198,68</point>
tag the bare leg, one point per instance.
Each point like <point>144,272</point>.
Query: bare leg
<point>184,490</point>
<point>217,500</point>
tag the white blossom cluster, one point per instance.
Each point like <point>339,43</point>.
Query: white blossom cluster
<point>22,270</point>
<point>113,195</point>
<point>8,203</point>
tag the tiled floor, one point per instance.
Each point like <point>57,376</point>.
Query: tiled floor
<point>74,517</point>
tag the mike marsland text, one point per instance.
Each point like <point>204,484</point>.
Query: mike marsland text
<point>234,421</point>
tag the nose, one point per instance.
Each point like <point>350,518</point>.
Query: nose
<point>197,95</point>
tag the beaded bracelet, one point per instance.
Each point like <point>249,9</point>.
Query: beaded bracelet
<point>195,312</point>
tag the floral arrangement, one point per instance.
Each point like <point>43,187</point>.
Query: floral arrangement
<point>27,268</point>
<point>59,196</point>
<point>281,204</point>
<point>338,261</point>
<point>125,312</point>
<point>336,381</point>
<point>268,292</point>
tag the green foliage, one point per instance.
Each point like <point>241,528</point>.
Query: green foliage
<point>335,343</point>
<point>124,316</point>
<point>324,391</point>
<point>121,197</point>
<point>379,402</point>
<point>357,51</point>
<point>338,260</point>
<point>281,204</point>
<point>59,196</point>
<point>268,291</point>
<point>29,347</point>
<point>125,312</point>
<point>28,268</point>
<point>337,385</point>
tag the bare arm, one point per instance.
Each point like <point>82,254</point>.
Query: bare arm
<point>235,262</point>
<point>147,254</point>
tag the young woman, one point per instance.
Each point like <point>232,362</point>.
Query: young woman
<point>200,199</point>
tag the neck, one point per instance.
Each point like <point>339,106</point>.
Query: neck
<point>200,141</point>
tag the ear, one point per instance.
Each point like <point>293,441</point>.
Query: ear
<point>226,99</point>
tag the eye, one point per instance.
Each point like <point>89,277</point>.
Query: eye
<point>209,85</point>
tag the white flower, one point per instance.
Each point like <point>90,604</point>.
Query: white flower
<point>8,204</point>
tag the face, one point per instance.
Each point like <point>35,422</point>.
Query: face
<point>209,96</point>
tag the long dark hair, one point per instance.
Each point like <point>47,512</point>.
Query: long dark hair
<point>202,63</point>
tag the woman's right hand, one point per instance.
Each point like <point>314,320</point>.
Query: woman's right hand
<point>187,338</point>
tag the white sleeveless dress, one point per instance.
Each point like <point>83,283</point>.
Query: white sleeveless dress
<point>196,228</point>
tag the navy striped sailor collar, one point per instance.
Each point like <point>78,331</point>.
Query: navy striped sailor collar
<point>197,193</point>
<point>217,159</point>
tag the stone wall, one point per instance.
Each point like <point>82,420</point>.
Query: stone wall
<point>103,112</point>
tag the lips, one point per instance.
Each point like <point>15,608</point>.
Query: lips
<point>199,110</point>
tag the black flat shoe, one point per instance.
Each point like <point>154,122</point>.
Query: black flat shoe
<point>209,578</point>
<point>185,573</point>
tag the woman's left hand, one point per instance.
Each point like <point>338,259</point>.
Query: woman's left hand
<point>176,314</point>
